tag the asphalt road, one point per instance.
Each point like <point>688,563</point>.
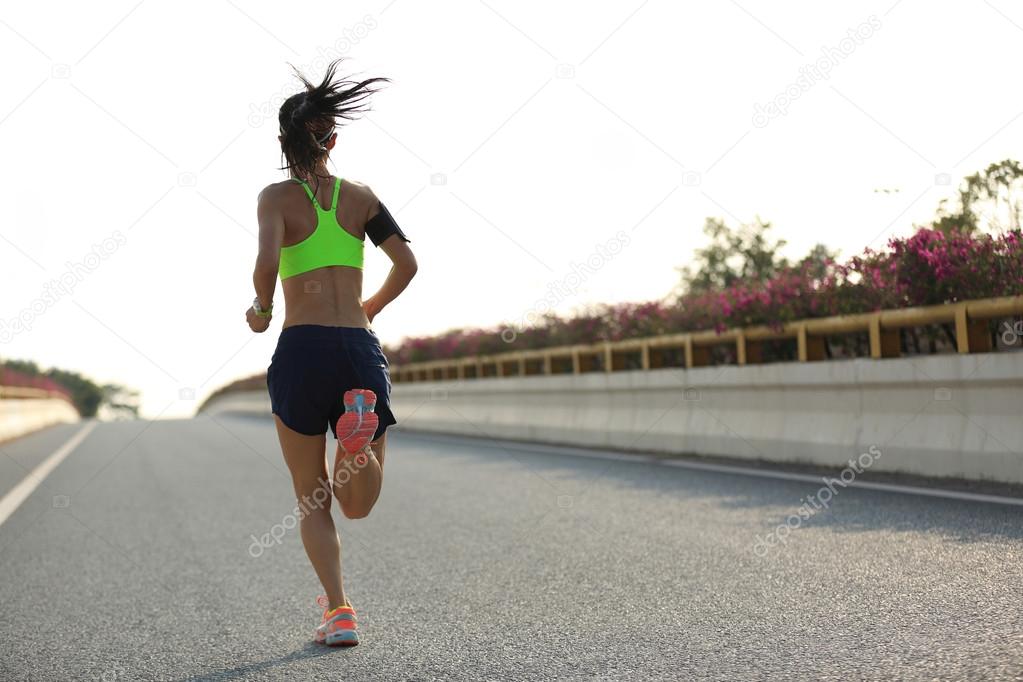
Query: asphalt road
<point>134,559</point>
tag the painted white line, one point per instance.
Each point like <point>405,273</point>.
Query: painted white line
<point>13,499</point>
<point>867,485</point>
<point>731,469</point>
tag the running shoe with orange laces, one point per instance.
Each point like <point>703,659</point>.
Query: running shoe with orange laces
<point>338,627</point>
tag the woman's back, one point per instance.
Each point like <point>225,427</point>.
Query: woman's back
<point>331,295</point>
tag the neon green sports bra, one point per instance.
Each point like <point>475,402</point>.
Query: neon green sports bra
<point>329,244</point>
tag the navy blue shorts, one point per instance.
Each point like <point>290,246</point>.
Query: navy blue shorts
<point>312,368</point>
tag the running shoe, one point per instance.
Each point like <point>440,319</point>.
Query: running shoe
<point>338,627</point>
<point>357,426</point>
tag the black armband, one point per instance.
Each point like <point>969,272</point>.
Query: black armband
<point>382,225</point>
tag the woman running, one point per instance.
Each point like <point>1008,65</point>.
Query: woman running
<point>328,369</point>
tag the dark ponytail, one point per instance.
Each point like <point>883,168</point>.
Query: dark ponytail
<point>308,119</point>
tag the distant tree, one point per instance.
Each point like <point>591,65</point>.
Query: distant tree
<point>25,366</point>
<point>122,402</point>
<point>1001,184</point>
<point>747,253</point>
<point>818,261</point>
<point>86,395</point>
<point>989,199</point>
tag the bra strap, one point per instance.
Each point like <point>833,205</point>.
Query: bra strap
<point>308,192</point>
<point>337,192</point>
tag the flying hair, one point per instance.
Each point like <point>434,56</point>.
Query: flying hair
<point>307,119</point>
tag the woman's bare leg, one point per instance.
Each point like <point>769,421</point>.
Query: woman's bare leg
<point>357,486</point>
<point>307,461</point>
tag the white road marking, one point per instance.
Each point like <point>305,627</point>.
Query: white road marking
<point>13,499</point>
<point>867,485</point>
<point>734,469</point>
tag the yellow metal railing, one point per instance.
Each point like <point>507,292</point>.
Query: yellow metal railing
<point>969,317</point>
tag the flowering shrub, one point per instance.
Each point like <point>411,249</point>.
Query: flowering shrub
<point>14,378</point>
<point>927,268</point>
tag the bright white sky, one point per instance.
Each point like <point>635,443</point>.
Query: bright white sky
<point>555,125</point>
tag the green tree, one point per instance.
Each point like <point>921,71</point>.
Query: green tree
<point>747,253</point>
<point>86,395</point>
<point>123,402</point>
<point>989,199</point>
<point>819,260</point>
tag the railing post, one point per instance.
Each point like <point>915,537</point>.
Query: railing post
<point>644,356</point>
<point>576,369</point>
<point>971,335</point>
<point>740,347</point>
<point>696,356</point>
<point>608,357</point>
<point>809,348</point>
<point>962,329</point>
<point>884,343</point>
<point>874,334</point>
<point>548,366</point>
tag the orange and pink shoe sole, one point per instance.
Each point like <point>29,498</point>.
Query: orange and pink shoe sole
<point>357,426</point>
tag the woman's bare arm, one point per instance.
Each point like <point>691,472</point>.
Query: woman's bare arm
<point>403,269</point>
<point>268,259</point>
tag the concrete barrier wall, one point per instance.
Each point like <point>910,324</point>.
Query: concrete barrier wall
<point>21,416</point>
<point>242,402</point>
<point>951,416</point>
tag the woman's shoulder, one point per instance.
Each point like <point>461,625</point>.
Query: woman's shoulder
<point>359,197</point>
<point>359,191</point>
<point>277,190</point>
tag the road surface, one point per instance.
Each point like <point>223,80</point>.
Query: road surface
<point>142,556</point>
